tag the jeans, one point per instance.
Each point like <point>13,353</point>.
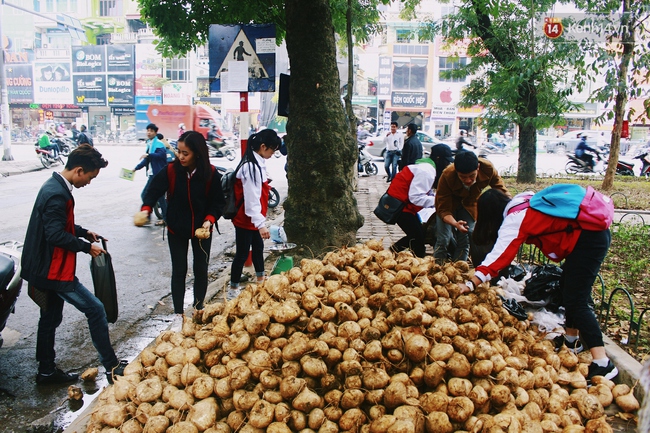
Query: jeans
<point>178,247</point>
<point>444,233</point>
<point>414,239</point>
<point>244,240</point>
<point>579,272</point>
<point>390,163</point>
<point>162,201</point>
<point>87,303</point>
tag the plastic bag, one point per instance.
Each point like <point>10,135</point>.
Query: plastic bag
<point>101,269</point>
<point>514,271</point>
<point>544,285</point>
<point>547,321</point>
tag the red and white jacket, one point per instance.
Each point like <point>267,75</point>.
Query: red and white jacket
<point>555,237</point>
<point>415,185</point>
<point>254,187</point>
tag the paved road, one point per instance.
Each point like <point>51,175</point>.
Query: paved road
<point>141,261</point>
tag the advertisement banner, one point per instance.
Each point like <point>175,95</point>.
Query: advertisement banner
<point>148,70</point>
<point>120,90</point>
<point>384,77</point>
<point>242,57</point>
<point>52,82</point>
<point>177,94</point>
<point>120,58</point>
<point>90,90</point>
<point>20,84</point>
<point>89,58</point>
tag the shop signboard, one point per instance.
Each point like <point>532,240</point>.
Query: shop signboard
<point>148,70</point>
<point>89,59</point>
<point>20,84</point>
<point>52,82</point>
<point>384,78</point>
<point>120,90</point>
<point>90,90</point>
<point>409,99</point>
<point>120,58</point>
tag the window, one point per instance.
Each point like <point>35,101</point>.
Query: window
<point>411,49</point>
<point>49,5</point>
<point>37,5</point>
<point>447,10</point>
<point>104,39</point>
<point>177,69</point>
<point>62,5</point>
<point>409,74</point>
<point>449,64</point>
<point>403,36</point>
<point>110,8</point>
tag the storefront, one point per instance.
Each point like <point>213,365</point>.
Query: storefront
<point>37,115</point>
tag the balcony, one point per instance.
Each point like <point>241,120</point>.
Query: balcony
<point>52,53</point>
<point>124,38</point>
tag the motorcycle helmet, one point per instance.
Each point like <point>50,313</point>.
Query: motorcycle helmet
<point>181,126</point>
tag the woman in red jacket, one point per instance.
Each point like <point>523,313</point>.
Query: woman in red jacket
<point>507,223</point>
<point>252,189</point>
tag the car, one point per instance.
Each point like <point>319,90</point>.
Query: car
<point>569,141</point>
<point>376,147</point>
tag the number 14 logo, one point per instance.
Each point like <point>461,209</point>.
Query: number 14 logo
<point>553,27</point>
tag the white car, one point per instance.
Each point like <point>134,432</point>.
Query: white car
<point>376,147</point>
<point>569,141</point>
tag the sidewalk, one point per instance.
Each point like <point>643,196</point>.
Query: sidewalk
<point>12,168</point>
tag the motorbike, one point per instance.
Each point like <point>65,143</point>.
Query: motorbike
<point>221,148</point>
<point>66,145</point>
<point>489,148</point>
<point>576,165</point>
<point>47,157</point>
<point>10,281</point>
<point>626,168</point>
<point>365,163</point>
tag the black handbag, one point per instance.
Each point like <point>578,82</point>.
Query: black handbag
<point>101,269</point>
<point>389,209</point>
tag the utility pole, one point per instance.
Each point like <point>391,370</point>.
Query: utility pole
<point>4,96</point>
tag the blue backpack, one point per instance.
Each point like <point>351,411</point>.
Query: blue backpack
<point>591,209</point>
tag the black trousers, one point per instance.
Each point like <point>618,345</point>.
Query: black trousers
<point>245,241</point>
<point>414,239</point>
<point>178,247</point>
<point>579,272</point>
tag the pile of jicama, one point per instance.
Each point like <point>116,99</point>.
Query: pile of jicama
<point>364,340</point>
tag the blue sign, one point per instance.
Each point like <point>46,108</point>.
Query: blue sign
<point>251,43</point>
<point>141,119</point>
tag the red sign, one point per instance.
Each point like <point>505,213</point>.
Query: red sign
<point>625,130</point>
<point>553,27</point>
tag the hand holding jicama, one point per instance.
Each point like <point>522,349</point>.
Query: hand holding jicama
<point>204,231</point>
<point>141,218</point>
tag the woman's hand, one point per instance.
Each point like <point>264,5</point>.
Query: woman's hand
<point>207,225</point>
<point>265,232</point>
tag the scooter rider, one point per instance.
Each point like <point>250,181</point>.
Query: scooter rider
<point>214,140</point>
<point>460,141</point>
<point>581,152</point>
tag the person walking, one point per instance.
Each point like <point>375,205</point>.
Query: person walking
<point>195,200</point>
<point>458,189</point>
<point>413,185</point>
<point>154,159</point>
<point>252,190</point>
<point>507,224</point>
<point>394,143</point>
<point>412,150</point>
<point>49,262</point>
<point>84,136</point>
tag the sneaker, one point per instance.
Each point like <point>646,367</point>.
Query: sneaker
<point>609,372</point>
<point>232,293</point>
<point>58,376</point>
<point>575,347</point>
<point>118,370</point>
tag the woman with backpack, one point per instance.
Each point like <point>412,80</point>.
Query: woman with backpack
<point>252,191</point>
<point>508,223</point>
<point>194,200</point>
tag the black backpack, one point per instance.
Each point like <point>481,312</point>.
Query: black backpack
<point>232,206</point>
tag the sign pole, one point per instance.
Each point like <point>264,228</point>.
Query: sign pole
<point>244,121</point>
<point>6,117</point>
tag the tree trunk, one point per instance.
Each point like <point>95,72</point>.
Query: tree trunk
<point>621,94</point>
<point>321,210</point>
<point>527,171</point>
<point>352,119</point>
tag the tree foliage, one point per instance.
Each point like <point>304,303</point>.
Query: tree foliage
<point>516,74</point>
<point>622,57</point>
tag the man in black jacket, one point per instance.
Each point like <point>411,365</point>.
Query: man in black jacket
<point>49,262</point>
<point>412,150</point>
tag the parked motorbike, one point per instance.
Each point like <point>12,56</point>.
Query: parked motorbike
<point>489,148</point>
<point>10,281</point>
<point>643,155</point>
<point>47,157</point>
<point>576,165</point>
<point>365,161</point>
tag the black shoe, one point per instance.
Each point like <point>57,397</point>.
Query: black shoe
<point>58,376</point>
<point>575,347</point>
<point>118,370</point>
<point>609,372</point>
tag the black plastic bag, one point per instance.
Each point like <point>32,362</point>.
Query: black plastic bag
<point>101,269</point>
<point>544,285</point>
<point>516,272</point>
